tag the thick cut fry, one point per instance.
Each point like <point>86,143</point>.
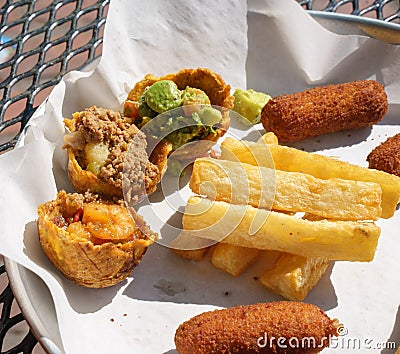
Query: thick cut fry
<point>257,228</point>
<point>190,247</point>
<point>312,217</point>
<point>191,255</point>
<point>294,160</point>
<point>268,138</point>
<point>294,276</point>
<point>234,259</point>
<point>262,187</point>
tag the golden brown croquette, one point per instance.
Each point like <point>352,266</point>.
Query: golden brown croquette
<point>386,156</point>
<point>275,327</point>
<point>325,109</point>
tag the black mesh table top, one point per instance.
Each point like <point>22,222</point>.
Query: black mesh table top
<point>9,320</point>
<point>41,40</point>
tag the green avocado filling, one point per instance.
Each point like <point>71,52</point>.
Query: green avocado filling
<point>144,110</point>
<point>196,121</point>
<point>249,104</point>
<point>163,96</point>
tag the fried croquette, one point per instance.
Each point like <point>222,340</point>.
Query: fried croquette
<point>275,327</point>
<point>386,156</point>
<point>326,109</point>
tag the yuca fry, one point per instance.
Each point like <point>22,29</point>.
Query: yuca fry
<point>268,138</point>
<point>294,160</point>
<point>234,259</point>
<point>335,240</point>
<point>294,276</point>
<point>312,217</point>
<point>190,247</point>
<point>241,183</point>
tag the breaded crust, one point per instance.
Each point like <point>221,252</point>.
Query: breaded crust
<point>256,329</point>
<point>326,109</point>
<point>386,156</point>
<point>204,79</point>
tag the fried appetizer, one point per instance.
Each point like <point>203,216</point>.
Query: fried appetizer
<point>262,187</point>
<point>276,327</point>
<point>326,109</point>
<point>246,226</point>
<point>294,276</point>
<point>189,247</point>
<point>92,242</point>
<point>324,167</point>
<point>194,90</point>
<point>98,145</point>
<point>386,156</point>
<point>234,259</point>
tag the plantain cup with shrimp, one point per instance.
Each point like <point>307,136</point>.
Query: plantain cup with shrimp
<point>93,242</point>
<point>203,99</point>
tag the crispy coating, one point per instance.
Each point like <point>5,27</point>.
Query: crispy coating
<point>256,329</point>
<point>386,156</point>
<point>325,109</point>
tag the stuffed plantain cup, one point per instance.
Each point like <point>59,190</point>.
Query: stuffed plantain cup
<point>92,242</point>
<point>98,144</point>
<point>194,91</point>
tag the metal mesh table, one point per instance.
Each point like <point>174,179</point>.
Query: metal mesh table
<point>41,40</point>
<point>385,10</point>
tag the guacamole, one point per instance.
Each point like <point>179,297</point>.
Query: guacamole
<point>192,96</point>
<point>195,120</point>
<point>209,115</point>
<point>162,96</point>
<point>182,129</point>
<point>144,110</point>
<point>249,104</point>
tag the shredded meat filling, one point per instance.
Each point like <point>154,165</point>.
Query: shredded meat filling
<point>99,125</point>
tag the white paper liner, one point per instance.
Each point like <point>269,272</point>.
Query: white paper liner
<point>282,50</point>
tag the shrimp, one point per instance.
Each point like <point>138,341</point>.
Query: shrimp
<point>108,222</point>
